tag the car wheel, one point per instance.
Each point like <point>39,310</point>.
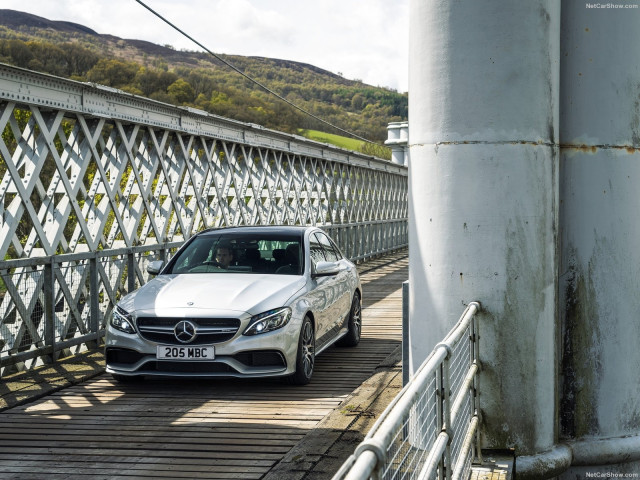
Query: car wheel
<point>352,338</point>
<point>306,357</point>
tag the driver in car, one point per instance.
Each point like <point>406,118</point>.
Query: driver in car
<point>224,256</point>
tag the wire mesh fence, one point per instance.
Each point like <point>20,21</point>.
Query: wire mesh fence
<point>56,305</point>
<point>429,431</point>
<point>409,447</point>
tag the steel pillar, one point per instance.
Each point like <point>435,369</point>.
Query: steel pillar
<point>483,202</point>
<point>600,234</point>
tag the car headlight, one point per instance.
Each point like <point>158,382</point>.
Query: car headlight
<point>121,320</point>
<point>268,321</point>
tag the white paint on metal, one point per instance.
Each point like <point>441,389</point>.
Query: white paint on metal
<point>110,183</point>
<point>600,234</point>
<point>484,197</point>
<point>398,138</point>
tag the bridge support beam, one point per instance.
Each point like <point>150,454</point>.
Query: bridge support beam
<point>525,149</point>
<point>600,234</point>
<point>484,200</point>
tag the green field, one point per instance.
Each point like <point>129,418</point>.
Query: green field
<point>337,140</point>
<point>372,149</point>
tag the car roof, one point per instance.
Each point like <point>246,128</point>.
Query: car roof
<point>285,229</point>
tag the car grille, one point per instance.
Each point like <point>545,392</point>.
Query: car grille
<point>209,330</point>
<point>189,367</point>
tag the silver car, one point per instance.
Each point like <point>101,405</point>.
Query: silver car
<point>239,302</point>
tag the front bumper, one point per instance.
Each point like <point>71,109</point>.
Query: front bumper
<point>257,363</point>
<point>270,354</point>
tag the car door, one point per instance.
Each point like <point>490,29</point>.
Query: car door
<point>322,294</point>
<point>341,294</point>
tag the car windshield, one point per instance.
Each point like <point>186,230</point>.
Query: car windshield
<point>218,252</point>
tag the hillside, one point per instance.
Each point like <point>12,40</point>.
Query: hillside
<point>197,79</point>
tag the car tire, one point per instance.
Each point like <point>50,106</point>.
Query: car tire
<point>354,324</point>
<point>305,360</point>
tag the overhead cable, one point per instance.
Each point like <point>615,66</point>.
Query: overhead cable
<point>261,85</point>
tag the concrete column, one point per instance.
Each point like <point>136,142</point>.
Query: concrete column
<point>483,182</point>
<point>600,233</point>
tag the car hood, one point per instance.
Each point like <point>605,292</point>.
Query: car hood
<point>249,293</point>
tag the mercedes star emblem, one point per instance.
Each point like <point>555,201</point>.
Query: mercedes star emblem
<point>185,331</point>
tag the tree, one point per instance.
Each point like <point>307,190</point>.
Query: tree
<point>18,51</point>
<point>194,78</point>
<point>113,73</point>
<point>357,102</point>
<point>79,60</point>
<point>181,91</point>
<point>150,80</point>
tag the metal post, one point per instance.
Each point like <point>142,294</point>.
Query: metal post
<point>405,332</point>
<point>131,271</point>
<point>600,229</point>
<point>94,298</point>
<point>49,310</point>
<point>475,336</point>
<point>397,141</point>
<point>440,412</point>
<point>446,412</point>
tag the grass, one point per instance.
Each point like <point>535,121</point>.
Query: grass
<point>337,140</point>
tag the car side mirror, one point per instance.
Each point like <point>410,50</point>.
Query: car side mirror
<point>154,267</point>
<point>326,269</point>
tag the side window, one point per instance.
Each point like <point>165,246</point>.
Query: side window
<point>329,252</point>
<point>315,251</point>
<point>194,254</point>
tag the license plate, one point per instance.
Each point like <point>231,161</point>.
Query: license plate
<point>199,353</point>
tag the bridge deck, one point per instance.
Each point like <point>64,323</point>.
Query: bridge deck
<point>195,429</point>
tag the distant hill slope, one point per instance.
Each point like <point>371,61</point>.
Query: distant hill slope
<point>199,80</point>
<point>17,20</point>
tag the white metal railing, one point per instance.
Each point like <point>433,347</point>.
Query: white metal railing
<point>430,430</point>
<point>60,302</point>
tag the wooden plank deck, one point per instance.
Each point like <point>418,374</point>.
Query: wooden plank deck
<point>227,429</point>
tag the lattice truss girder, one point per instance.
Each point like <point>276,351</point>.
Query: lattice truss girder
<point>71,183</point>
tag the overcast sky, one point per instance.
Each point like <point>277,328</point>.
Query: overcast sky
<point>361,39</point>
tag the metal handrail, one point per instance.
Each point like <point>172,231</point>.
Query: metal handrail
<point>403,430</point>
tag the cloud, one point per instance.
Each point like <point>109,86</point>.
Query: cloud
<point>362,39</point>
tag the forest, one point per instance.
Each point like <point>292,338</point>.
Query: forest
<point>196,79</point>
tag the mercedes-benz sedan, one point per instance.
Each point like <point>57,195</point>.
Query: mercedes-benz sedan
<point>240,302</point>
